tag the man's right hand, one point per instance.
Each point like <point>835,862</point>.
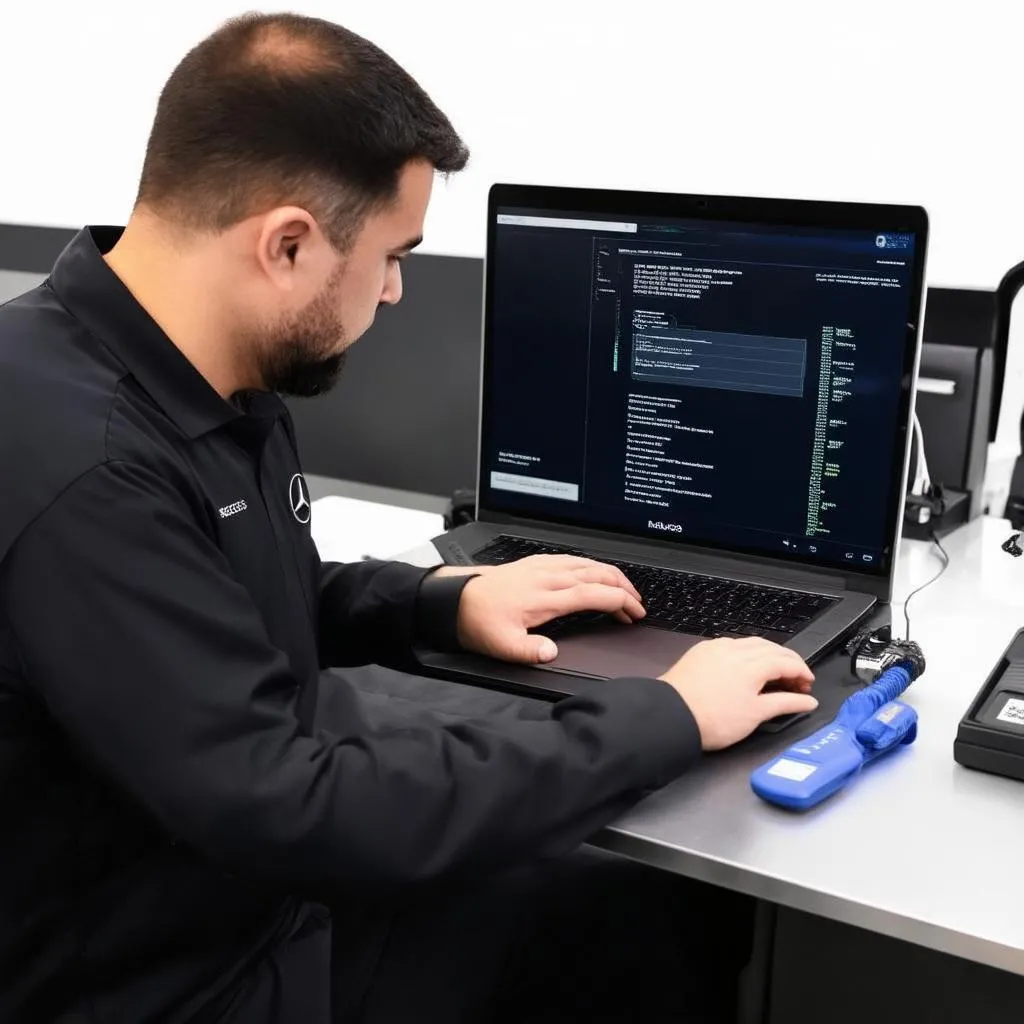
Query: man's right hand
<point>722,682</point>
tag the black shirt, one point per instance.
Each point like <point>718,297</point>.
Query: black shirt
<point>171,815</point>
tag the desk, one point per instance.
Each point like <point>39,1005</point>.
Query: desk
<point>905,851</point>
<point>350,522</point>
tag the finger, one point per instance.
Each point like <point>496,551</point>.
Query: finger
<point>755,649</point>
<point>611,575</point>
<point>770,705</point>
<point>781,667</point>
<point>762,648</point>
<point>538,649</point>
<point>562,580</point>
<point>795,669</point>
<point>759,643</point>
<point>608,575</point>
<point>519,646</point>
<point>595,597</point>
<point>574,563</point>
<point>577,564</point>
<point>560,563</point>
<point>626,584</point>
<point>806,673</point>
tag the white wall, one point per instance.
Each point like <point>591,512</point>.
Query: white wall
<point>867,100</point>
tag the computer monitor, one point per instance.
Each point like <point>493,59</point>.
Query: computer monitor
<point>730,373</point>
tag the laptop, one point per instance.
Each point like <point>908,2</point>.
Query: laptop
<point>713,394</point>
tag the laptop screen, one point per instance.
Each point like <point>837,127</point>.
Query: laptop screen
<point>719,383</point>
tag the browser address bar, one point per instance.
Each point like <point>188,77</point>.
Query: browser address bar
<point>564,222</point>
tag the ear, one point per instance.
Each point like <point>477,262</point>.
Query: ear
<point>290,246</point>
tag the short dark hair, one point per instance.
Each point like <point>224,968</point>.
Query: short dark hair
<point>281,109</point>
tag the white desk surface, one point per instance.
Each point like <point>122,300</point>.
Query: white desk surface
<point>346,529</point>
<point>918,848</point>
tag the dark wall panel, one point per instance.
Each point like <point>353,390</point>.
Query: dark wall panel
<point>404,414</point>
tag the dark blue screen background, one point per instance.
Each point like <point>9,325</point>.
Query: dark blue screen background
<point>561,322</point>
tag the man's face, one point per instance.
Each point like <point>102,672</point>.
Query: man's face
<point>302,351</point>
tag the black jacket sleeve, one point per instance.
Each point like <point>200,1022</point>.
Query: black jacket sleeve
<point>154,662</point>
<point>381,612</point>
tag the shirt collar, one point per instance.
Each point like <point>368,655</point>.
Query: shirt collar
<point>98,299</point>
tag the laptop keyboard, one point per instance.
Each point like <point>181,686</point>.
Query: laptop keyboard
<point>686,602</point>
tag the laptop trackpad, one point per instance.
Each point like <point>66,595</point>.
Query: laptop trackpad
<point>611,650</point>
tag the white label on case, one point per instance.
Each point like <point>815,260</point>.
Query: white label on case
<point>1013,712</point>
<point>795,771</point>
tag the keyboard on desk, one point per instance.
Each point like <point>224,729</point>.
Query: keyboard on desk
<point>686,602</point>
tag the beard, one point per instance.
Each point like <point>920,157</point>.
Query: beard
<point>299,356</point>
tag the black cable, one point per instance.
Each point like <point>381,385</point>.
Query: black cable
<point>1006,292</point>
<point>944,555</point>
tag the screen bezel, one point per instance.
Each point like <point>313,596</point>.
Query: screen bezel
<point>779,213</point>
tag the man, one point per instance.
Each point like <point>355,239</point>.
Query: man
<point>182,796</point>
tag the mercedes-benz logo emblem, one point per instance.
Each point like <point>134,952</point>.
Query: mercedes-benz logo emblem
<point>298,498</point>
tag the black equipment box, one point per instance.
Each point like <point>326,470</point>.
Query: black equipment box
<point>991,734</point>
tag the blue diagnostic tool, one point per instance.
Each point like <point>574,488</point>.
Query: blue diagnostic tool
<point>870,722</point>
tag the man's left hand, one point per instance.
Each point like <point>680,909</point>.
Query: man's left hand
<point>504,602</point>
